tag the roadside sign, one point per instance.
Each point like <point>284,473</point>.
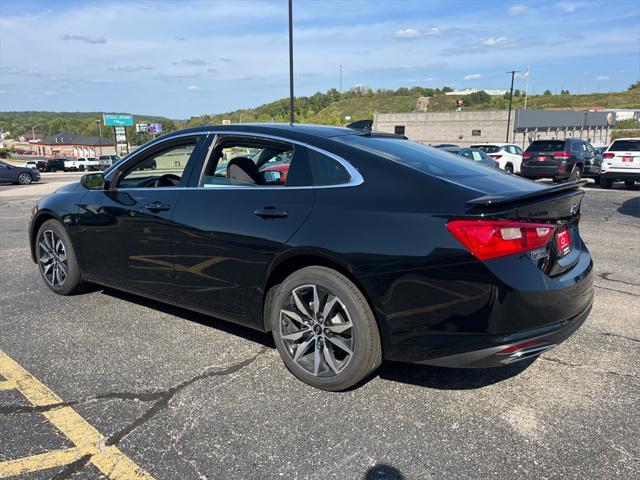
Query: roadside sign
<point>121,138</point>
<point>226,122</point>
<point>117,120</point>
<point>142,127</point>
<point>155,128</point>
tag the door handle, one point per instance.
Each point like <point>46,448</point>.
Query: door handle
<point>270,212</point>
<point>157,207</point>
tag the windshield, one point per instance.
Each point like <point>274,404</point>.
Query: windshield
<point>546,146</point>
<point>625,146</point>
<point>415,155</point>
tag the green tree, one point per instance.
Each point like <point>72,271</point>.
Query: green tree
<point>547,92</point>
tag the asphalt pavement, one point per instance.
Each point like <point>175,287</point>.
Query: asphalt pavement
<point>175,395</point>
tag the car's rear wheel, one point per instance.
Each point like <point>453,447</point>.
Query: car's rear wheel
<point>53,170</point>
<point>57,259</point>
<point>324,329</point>
<point>25,178</point>
<point>629,183</point>
<point>508,168</point>
<point>606,183</point>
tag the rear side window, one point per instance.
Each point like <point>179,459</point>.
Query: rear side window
<point>325,170</point>
<point>625,146</point>
<point>415,155</point>
<point>546,146</point>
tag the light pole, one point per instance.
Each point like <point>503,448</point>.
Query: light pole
<point>99,136</point>
<point>33,136</point>
<point>291,112</point>
<point>340,78</point>
<point>513,76</point>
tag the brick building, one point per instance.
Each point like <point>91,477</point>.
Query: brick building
<point>71,145</point>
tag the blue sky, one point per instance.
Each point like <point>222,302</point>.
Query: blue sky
<point>181,58</point>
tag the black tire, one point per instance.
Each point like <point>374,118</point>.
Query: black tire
<point>25,178</point>
<point>576,173</point>
<point>629,183</point>
<point>606,183</point>
<point>73,282</point>
<point>53,170</point>
<point>508,168</point>
<point>366,353</point>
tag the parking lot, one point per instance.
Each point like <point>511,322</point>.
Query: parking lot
<point>110,385</point>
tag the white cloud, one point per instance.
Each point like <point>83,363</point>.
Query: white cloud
<point>129,68</point>
<point>516,10</point>
<point>430,79</point>
<point>84,38</point>
<point>432,30</point>
<point>603,78</point>
<point>498,42</point>
<point>191,62</point>
<point>193,88</point>
<point>408,33</point>
<point>569,7</point>
<point>473,76</point>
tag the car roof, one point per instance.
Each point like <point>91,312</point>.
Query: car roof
<point>626,138</point>
<point>292,131</point>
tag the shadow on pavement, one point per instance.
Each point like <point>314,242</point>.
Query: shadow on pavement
<point>441,378</point>
<point>382,471</point>
<point>228,327</point>
<point>630,207</point>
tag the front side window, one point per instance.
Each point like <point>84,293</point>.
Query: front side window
<point>248,163</point>
<point>162,169</point>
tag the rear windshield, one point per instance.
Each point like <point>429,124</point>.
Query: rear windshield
<point>625,146</point>
<point>487,148</point>
<point>423,158</point>
<point>546,146</point>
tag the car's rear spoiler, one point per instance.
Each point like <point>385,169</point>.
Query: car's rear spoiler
<point>495,200</point>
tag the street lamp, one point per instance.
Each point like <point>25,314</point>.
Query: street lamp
<point>513,76</point>
<point>33,135</point>
<point>98,122</point>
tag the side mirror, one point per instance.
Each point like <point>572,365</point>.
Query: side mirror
<point>92,181</point>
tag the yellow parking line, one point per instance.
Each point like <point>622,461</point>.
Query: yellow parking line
<point>109,460</point>
<point>42,461</point>
<point>7,385</point>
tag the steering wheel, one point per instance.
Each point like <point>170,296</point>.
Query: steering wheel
<point>166,180</point>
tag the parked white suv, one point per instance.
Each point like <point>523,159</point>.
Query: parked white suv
<point>508,156</point>
<point>621,161</point>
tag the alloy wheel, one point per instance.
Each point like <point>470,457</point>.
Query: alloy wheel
<point>52,257</point>
<point>24,178</point>
<point>317,331</point>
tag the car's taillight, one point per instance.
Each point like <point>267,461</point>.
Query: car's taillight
<point>487,239</point>
<point>526,155</point>
<point>495,157</point>
<point>609,155</point>
<point>561,155</point>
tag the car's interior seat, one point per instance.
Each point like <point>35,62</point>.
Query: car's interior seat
<point>243,169</point>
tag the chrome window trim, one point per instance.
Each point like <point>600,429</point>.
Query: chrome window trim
<point>356,178</point>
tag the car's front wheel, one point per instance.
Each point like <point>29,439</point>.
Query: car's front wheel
<point>25,178</point>
<point>629,183</point>
<point>324,329</point>
<point>57,259</point>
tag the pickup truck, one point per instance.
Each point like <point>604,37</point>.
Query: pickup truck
<point>82,164</point>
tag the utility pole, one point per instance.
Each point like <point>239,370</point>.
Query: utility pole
<point>33,132</point>
<point>513,76</point>
<point>340,78</point>
<point>98,122</point>
<point>291,106</point>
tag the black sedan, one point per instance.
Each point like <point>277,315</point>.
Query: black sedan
<point>374,248</point>
<point>474,154</point>
<point>22,175</point>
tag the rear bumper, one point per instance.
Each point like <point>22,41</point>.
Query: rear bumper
<point>543,172</point>
<point>621,175</point>
<point>541,340</point>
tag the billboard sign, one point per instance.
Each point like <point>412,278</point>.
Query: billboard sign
<point>142,127</point>
<point>155,128</point>
<point>559,120</point>
<point>117,120</point>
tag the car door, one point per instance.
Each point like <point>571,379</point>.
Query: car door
<point>227,230</point>
<point>125,230</point>
<point>5,172</point>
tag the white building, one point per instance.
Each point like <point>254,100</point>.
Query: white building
<point>469,91</point>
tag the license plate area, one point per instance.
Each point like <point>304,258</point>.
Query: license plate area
<point>542,158</point>
<point>627,159</point>
<point>563,241</point>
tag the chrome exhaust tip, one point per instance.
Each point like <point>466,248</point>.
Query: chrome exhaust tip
<point>526,352</point>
